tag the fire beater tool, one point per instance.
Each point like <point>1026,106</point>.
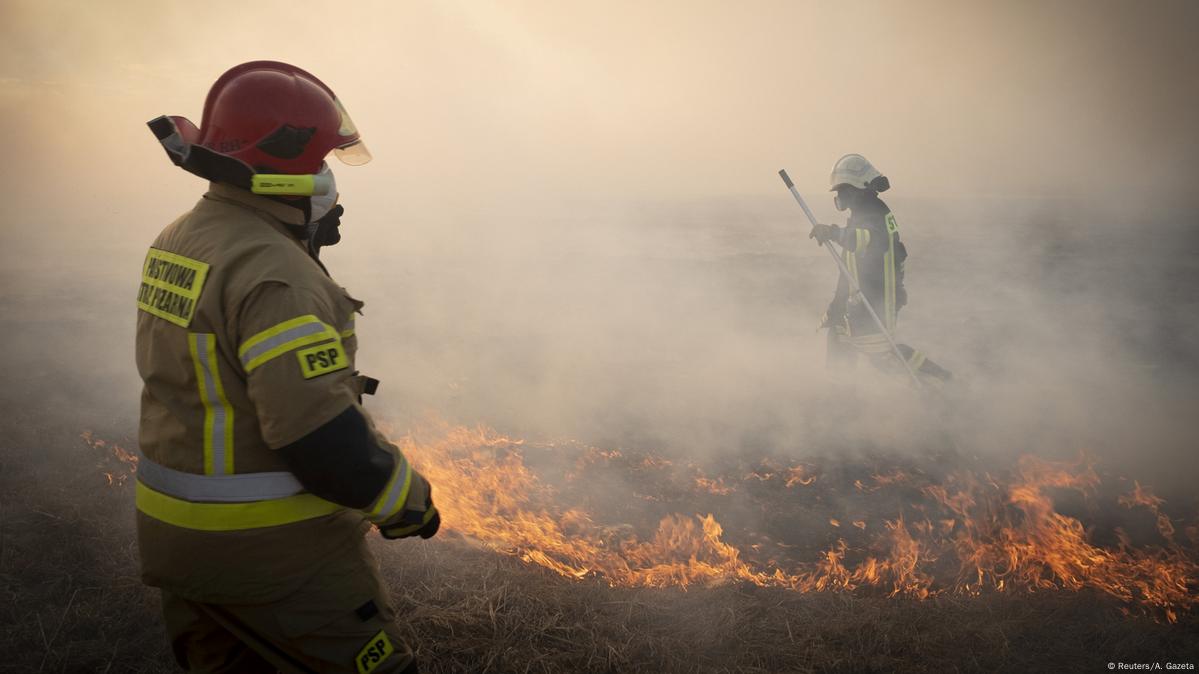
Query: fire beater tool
<point>853,284</point>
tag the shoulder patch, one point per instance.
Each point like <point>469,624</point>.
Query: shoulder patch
<point>322,359</point>
<point>891,225</point>
<point>171,286</point>
<point>373,654</point>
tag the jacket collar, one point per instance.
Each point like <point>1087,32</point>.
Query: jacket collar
<point>278,212</point>
<point>871,208</point>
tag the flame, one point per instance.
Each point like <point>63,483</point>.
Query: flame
<point>1143,496</point>
<point>991,534</point>
<point>126,461</point>
<point>717,486</point>
<point>799,475</point>
<point>894,477</point>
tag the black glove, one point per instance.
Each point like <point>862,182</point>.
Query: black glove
<point>324,231</point>
<point>410,523</point>
<point>825,233</point>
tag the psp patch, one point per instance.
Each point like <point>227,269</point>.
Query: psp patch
<point>373,654</point>
<point>171,286</point>
<point>322,359</point>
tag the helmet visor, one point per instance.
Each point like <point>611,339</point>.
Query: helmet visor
<point>347,127</point>
<point>354,154</point>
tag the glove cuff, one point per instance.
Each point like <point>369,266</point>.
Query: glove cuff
<point>409,524</point>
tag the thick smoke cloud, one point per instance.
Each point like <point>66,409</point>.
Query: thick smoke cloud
<point>573,225</point>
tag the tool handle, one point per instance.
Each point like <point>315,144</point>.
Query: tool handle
<point>798,198</point>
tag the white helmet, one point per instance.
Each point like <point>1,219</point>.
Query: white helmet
<point>856,171</point>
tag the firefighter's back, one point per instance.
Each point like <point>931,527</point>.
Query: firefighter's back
<point>198,415</point>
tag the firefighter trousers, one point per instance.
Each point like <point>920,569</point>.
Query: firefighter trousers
<point>327,625</point>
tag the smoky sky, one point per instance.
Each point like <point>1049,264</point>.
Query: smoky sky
<point>489,105</point>
<point>573,223</point>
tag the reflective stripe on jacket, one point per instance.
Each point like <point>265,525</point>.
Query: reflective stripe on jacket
<point>874,256</point>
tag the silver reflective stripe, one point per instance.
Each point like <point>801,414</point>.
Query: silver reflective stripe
<point>397,486</point>
<point>216,488</point>
<point>216,407</point>
<point>303,330</point>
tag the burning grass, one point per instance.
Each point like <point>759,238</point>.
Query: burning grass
<point>955,532</point>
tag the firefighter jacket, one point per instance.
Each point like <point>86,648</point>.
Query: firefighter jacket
<point>875,258</point>
<point>245,345</point>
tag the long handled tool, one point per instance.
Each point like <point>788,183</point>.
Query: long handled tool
<point>853,284</point>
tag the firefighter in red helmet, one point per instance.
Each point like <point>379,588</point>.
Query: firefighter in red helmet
<point>261,471</point>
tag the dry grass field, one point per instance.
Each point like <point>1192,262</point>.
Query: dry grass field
<point>72,601</point>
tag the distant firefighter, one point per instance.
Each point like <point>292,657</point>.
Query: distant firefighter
<point>261,471</point>
<point>874,257</point>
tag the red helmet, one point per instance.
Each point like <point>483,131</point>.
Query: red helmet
<point>275,118</point>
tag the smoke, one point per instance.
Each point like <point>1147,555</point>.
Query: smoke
<point>574,227</point>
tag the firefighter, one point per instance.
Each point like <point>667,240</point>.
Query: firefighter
<point>875,258</point>
<point>260,471</point>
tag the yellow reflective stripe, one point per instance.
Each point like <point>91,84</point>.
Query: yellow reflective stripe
<point>889,282</point>
<point>851,261</point>
<point>226,407</point>
<point>231,516</point>
<point>916,360</point>
<point>863,239</point>
<point>283,337</point>
<point>889,273</point>
<point>349,329</point>
<point>395,494</point>
<point>195,352</point>
<point>871,343</point>
<point>218,413</point>
<point>293,344</point>
<point>275,330</point>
